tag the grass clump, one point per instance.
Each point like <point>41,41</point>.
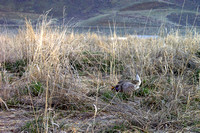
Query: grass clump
<point>36,88</point>
<point>107,96</point>
<point>90,61</point>
<point>34,126</point>
<point>13,101</point>
<point>18,67</point>
<point>116,128</point>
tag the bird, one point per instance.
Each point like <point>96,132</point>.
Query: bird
<point>128,87</point>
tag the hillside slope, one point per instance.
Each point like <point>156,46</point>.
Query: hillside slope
<point>122,13</point>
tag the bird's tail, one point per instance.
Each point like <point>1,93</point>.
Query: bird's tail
<point>138,79</point>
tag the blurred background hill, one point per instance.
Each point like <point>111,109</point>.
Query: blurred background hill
<point>104,13</point>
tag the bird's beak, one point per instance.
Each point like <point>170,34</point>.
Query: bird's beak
<point>112,87</point>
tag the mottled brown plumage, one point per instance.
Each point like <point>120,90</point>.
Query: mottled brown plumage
<point>128,87</point>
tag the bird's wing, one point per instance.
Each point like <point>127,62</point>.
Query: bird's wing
<point>135,81</point>
<point>127,85</point>
<point>121,81</point>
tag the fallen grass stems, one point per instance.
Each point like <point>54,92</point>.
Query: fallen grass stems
<point>71,72</point>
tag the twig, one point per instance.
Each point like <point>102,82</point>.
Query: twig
<point>1,101</point>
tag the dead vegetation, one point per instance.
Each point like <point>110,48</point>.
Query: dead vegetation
<point>63,81</point>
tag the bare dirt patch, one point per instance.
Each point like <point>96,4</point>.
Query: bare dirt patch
<point>13,120</point>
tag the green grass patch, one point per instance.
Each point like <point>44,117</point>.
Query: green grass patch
<point>107,96</point>
<point>123,96</point>
<point>17,67</point>
<point>119,127</point>
<point>13,101</point>
<point>147,88</point>
<point>35,88</point>
<point>33,126</point>
<point>143,92</point>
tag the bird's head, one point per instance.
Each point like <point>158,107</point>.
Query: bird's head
<point>115,88</point>
<point>112,88</point>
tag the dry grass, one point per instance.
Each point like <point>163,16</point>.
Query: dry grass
<point>66,80</point>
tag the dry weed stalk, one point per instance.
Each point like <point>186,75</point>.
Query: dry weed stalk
<point>2,101</point>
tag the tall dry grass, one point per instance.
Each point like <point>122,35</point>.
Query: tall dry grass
<point>77,70</point>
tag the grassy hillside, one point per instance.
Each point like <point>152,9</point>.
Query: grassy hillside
<point>122,13</point>
<point>55,81</point>
<point>150,13</point>
<point>76,8</point>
